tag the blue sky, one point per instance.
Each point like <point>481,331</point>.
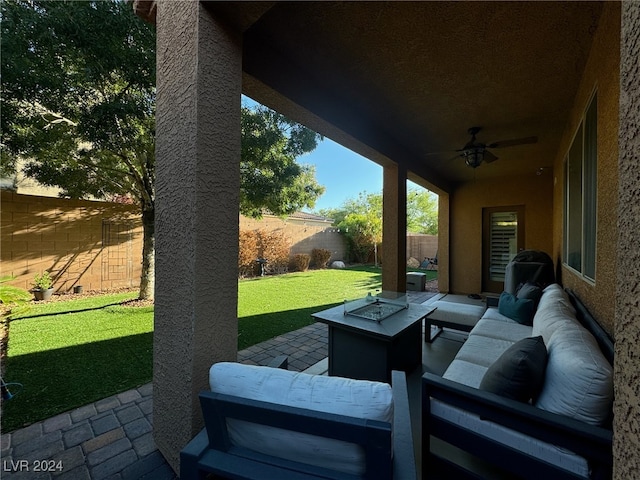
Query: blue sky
<point>343,173</point>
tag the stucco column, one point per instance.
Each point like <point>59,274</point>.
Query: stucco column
<point>626,408</point>
<point>199,82</point>
<point>394,229</point>
<point>444,223</point>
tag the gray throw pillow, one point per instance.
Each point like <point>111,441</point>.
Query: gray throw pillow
<point>530,291</point>
<point>519,372</point>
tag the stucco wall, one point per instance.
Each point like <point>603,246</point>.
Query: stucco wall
<point>626,409</point>
<point>601,75</point>
<point>94,244</point>
<point>467,201</point>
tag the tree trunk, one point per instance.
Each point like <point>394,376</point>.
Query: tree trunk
<point>148,275</point>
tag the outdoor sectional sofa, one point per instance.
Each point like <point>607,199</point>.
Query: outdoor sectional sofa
<point>562,431</point>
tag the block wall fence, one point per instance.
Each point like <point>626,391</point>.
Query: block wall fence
<point>98,245</point>
<point>304,234</point>
<point>421,246</point>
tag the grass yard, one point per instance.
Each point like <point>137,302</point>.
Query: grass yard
<point>70,353</point>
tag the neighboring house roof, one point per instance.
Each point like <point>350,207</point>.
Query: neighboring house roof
<point>310,217</point>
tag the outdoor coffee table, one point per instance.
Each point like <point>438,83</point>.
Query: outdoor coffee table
<point>366,349</point>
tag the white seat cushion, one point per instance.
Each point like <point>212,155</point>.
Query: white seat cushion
<point>355,398</point>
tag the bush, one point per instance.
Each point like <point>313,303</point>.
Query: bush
<point>247,253</point>
<point>300,262</point>
<point>320,257</point>
<point>274,247</point>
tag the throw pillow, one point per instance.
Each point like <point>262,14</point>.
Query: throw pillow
<point>519,309</point>
<point>519,372</point>
<point>530,291</point>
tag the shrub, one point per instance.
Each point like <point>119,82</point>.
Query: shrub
<point>300,262</point>
<point>247,253</point>
<point>274,247</point>
<point>320,257</point>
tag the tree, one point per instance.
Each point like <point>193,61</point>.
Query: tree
<point>422,211</point>
<point>360,219</point>
<point>78,101</point>
<point>270,178</point>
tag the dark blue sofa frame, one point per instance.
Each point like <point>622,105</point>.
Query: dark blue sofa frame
<point>591,442</point>
<point>211,451</point>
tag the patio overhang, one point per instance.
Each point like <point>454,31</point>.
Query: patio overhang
<point>408,80</point>
<point>398,82</point>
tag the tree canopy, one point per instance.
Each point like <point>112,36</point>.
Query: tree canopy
<point>78,103</point>
<point>360,219</point>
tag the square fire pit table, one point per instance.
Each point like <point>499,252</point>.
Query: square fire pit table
<point>370,339</point>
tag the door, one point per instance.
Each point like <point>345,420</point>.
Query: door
<point>502,239</point>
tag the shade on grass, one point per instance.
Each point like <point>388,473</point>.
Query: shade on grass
<point>68,354</point>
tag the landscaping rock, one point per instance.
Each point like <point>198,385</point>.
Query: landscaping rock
<point>413,263</point>
<point>337,264</point>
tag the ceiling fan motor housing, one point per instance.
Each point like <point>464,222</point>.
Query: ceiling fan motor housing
<point>473,157</point>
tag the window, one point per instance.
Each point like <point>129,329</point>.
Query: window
<point>580,200</point>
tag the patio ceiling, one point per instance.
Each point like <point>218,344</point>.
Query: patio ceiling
<point>401,80</point>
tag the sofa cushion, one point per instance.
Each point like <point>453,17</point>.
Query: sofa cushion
<point>530,291</point>
<point>554,311</point>
<point>355,398</point>
<point>519,372</point>
<point>519,309</point>
<point>579,379</point>
<point>493,313</point>
<point>465,372</point>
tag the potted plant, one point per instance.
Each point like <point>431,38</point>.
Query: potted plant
<point>42,286</point>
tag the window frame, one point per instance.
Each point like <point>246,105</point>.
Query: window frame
<point>587,133</point>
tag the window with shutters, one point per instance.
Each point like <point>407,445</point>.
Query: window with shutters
<point>503,234</point>
<point>503,238</point>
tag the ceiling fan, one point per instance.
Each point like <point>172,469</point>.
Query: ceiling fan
<point>474,152</point>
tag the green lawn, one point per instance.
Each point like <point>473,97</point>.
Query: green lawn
<point>68,354</point>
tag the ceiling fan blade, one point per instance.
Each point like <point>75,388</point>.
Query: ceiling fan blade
<point>442,152</point>
<point>489,157</point>
<point>514,142</point>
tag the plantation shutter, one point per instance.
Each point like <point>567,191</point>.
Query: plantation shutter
<point>503,243</point>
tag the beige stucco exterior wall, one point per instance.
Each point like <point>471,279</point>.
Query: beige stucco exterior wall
<point>602,76</point>
<point>394,228</point>
<point>97,245</point>
<point>534,192</point>
<point>626,408</point>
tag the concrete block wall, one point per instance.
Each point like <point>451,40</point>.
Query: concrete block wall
<point>94,244</point>
<point>420,246</point>
<point>305,235</point>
